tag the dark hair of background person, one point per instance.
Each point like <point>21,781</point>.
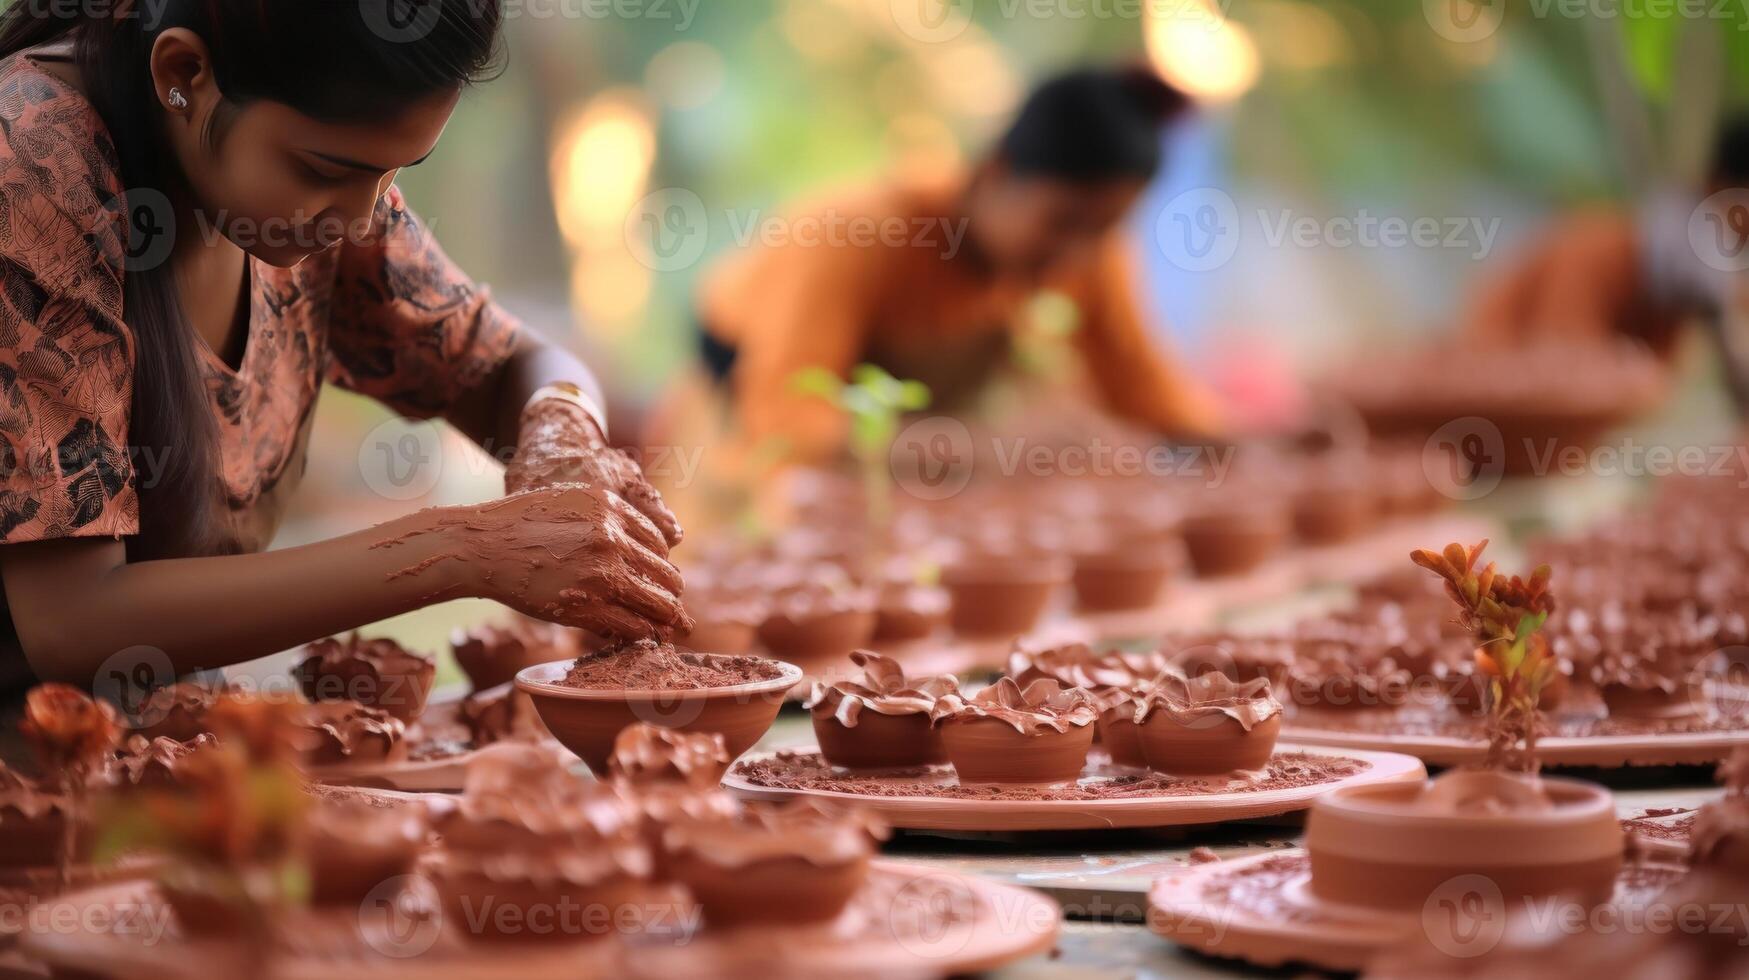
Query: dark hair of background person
<point>336,61</point>
<point>1731,153</point>
<point>1093,125</point>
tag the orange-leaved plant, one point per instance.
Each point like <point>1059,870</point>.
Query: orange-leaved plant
<point>1505,616</point>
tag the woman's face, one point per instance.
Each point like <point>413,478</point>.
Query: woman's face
<point>283,186</point>
<point>1026,225</point>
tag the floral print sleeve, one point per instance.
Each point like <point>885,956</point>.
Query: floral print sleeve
<point>408,328</point>
<point>66,360</point>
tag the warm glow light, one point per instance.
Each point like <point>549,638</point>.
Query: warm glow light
<point>1196,48</point>
<point>600,164</point>
<point>685,74</point>
<point>609,289</point>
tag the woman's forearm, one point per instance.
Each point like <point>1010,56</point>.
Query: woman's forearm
<point>73,615</point>
<point>492,415</point>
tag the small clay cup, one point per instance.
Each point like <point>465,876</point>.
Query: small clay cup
<point>880,741</point>
<point>1212,745</point>
<point>34,841</point>
<point>1114,581</point>
<point>532,905</point>
<point>910,613</point>
<point>775,891</point>
<point>728,636</point>
<point>1333,514</point>
<point>587,722</point>
<point>989,750</point>
<point>1121,736</point>
<point>1688,700</point>
<point>1391,847</point>
<point>353,849</point>
<point>1222,543</point>
<point>1002,597</point>
<point>826,636</point>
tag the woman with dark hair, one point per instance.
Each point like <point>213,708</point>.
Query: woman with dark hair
<point>932,281</point>
<point>198,226</point>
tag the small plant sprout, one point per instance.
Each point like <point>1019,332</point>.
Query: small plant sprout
<point>72,735</point>
<point>873,401</point>
<point>1505,616</point>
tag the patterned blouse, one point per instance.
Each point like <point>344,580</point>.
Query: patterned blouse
<point>389,317</point>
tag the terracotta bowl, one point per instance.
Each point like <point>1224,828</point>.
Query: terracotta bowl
<point>879,741</point>
<point>720,636</point>
<point>912,616</point>
<point>776,891</point>
<point>985,750</point>
<point>1221,746</point>
<point>828,636</point>
<point>1003,598</point>
<point>31,842</point>
<point>1233,542</point>
<point>1121,736</point>
<point>1369,848</point>
<point>523,911</point>
<point>586,722</point>
<point>1331,516</point>
<point>1689,700</point>
<point>1114,581</point>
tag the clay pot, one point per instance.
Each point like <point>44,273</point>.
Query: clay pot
<point>1121,736</point>
<point>492,653</point>
<point>587,722</point>
<point>810,638</point>
<point>776,891</point>
<point>1232,542</point>
<point>33,841</point>
<point>378,673</point>
<point>988,750</point>
<point>1332,514</point>
<point>1213,745</point>
<point>726,636</point>
<point>910,612</point>
<point>524,909</point>
<point>1116,580</point>
<point>353,848</point>
<point>1688,700</point>
<point>1392,846</point>
<point>337,733</point>
<point>1002,597</point>
<point>880,741</point>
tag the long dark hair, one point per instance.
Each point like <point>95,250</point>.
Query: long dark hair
<point>338,61</point>
<point>1092,125</point>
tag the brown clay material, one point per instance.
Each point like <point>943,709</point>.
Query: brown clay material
<point>588,721</point>
<point>1118,582</point>
<point>1002,597</point>
<point>1393,847</point>
<point>879,719</point>
<point>777,892</point>
<point>880,741</point>
<point>491,653</point>
<point>1331,515</point>
<point>377,673</point>
<point>479,902</point>
<point>1214,747</point>
<point>659,667</point>
<point>352,848</point>
<point>1122,737</point>
<point>1688,699</point>
<point>1227,543</point>
<point>345,732</point>
<point>824,636</point>
<point>987,750</point>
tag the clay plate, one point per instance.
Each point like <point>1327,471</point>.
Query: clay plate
<point>1664,837</point>
<point>440,775</point>
<point>1187,806</point>
<point>1602,751</point>
<point>908,920</point>
<point>1260,909</point>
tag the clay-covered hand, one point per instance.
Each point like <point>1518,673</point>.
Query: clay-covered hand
<point>575,554</point>
<point>560,442</point>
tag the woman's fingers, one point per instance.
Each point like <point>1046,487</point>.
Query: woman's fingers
<point>644,599</point>
<point>638,527</point>
<point>611,622</point>
<point>648,502</point>
<point>655,568</point>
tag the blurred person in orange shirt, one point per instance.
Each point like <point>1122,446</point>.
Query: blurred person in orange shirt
<point>1643,274</point>
<point>934,280</point>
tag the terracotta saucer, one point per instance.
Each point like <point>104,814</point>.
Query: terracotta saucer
<point>443,774</point>
<point>932,799</point>
<point>1664,834</point>
<point>1261,909</point>
<point>907,921</point>
<point>1602,751</point>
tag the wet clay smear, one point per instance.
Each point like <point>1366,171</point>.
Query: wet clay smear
<point>1650,828</point>
<point>808,771</point>
<point>647,666</point>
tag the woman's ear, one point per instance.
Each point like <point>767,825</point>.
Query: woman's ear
<point>182,74</point>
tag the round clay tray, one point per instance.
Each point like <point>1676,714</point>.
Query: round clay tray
<point>908,920</point>
<point>1187,805</point>
<point>1664,837</point>
<point>440,775</point>
<point>1603,751</point>
<point>1260,909</point>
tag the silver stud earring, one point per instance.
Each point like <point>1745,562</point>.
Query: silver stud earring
<point>177,99</point>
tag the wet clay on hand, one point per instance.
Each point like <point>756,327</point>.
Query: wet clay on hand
<point>577,555</point>
<point>561,443</point>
